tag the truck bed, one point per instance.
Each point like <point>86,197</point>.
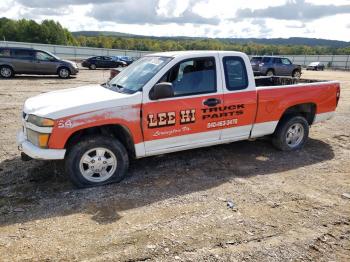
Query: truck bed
<point>282,81</point>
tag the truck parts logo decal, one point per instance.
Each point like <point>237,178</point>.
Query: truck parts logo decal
<point>169,118</point>
<point>222,111</point>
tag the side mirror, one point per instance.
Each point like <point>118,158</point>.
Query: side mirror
<point>161,90</point>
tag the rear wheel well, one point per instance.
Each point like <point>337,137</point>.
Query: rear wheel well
<point>116,131</point>
<point>307,110</point>
<point>8,66</point>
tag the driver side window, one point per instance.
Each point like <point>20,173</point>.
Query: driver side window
<point>192,76</point>
<point>43,56</point>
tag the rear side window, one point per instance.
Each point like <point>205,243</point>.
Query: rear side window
<point>5,53</point>
<point>22,53</point>
<point>256,59</point>
<point>277,60</point>
<point>235,73</point>
<point>266,59</point>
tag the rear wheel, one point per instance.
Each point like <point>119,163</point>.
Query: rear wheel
<point>92,66</point>
<point>97,160</point>
<point>6,72</point>
<point>63,72</point>
<point>291,133</point>
<point>270,72</point>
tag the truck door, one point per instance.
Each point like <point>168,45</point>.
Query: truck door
<point>237,114</point>
<point>184,120</point>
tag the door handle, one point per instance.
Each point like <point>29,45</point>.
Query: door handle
<point>211,102</point>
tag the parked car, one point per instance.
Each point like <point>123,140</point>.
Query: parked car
<point>167,102</point>
<point>127,59</point>
<point>255,61</point>
<point>16,60</point>
<point>114,72</point>
<point>274,65</point>
<point>316,66</point>
<point>102,62</point>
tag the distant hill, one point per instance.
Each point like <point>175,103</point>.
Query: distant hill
<point>101,33</point>
<point>266,41</point>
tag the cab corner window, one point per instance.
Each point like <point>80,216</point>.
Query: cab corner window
<point>235,73</point>
<point>192,77</point>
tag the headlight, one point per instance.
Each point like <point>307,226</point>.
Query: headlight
<point>40,121</point>
<point>38,139</point>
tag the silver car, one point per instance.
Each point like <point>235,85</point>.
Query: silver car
<point>15,60</point>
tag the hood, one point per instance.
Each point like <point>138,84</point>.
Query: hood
<point>70,62</point>
<point>73,101</point>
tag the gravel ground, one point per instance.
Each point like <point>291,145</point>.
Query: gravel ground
<point>286,206</point>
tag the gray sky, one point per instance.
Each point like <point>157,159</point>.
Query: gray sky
<point>211,18</point>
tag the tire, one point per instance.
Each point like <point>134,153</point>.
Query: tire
<point>63,72</point>
<point>96,161</point>
<point>270,72</point>
<point>6,72</point>
<point>92,67</point>
<point>283,137</point>
<point>296,74</point>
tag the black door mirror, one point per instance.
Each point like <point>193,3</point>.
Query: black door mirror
<point>161,90</point>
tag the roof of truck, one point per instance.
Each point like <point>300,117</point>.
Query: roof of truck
<point>187,53</point>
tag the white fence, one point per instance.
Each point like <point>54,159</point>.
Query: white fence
<point>78,53</point>
<point>75,52</point>
<point>332,61</point>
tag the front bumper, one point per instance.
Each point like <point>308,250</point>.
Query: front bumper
<point>74,71</point>
<point>36,152</point>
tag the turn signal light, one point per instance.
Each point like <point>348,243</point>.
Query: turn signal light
<point>43,139</point>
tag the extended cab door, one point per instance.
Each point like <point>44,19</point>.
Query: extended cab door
<point>184,121</point>
<point>237,114</point>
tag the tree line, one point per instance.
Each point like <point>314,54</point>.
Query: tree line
<point>51,32</point>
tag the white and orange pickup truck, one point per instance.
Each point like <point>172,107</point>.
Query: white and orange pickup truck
<point>168,102</point>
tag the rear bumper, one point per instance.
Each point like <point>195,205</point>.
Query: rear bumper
<point>36,152</point>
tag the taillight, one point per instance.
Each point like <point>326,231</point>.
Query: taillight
<point>338,94</point>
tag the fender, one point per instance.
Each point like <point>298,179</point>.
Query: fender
<point>126,116</point>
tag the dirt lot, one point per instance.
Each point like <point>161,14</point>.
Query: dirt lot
<point>287,206</point>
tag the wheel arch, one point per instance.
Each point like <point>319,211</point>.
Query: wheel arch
<point>307,110</point>
<point>8,65</point>
<point>121,132</point>
<point>63,66</point>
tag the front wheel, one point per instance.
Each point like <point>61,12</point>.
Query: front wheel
<point>297,74</point>
<point>97,160</point>
<point>64,73</point>
<point>270,73</point>
<point>291,133</point>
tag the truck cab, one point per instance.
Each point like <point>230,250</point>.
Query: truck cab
<point>168,102</point>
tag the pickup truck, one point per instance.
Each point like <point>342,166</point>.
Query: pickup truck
<point>167,102</point>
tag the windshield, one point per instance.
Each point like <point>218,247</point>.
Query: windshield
<point>136,75</point>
